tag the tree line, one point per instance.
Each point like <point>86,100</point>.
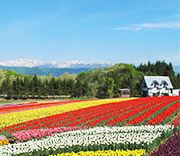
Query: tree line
<point>161,69</point>
<point>100,83</point>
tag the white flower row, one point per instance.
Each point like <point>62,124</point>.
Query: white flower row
<point>96,135</point>
<point>127,129</point>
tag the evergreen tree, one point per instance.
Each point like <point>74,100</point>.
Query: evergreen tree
<point>40,88</point>
<point>82,87</point>
<point>26,87</point>
<point>35,86</point>
<point>178,81</point>
<point>17,88</point>
<point>53,86</point>
<point>79,88</point>
<point>45,88</point>
<point>59,90</point>
<point>71,87</point>
<point>64,85</point>
<point>7,88</point>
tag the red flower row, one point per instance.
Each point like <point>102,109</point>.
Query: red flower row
<point>150,112</point>
<point>36,105</point>
<point>107,114</point>
<point>165,114</point>
<point>55,119</point>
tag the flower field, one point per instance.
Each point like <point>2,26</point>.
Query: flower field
<point>121,126</point>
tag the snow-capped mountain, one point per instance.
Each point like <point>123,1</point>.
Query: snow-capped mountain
<point>52,64</point>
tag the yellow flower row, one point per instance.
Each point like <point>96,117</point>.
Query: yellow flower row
<point>106,153</point>
<point>4,142</point>
<point>9,119</point>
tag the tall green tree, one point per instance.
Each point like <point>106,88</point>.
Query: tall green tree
<point>102,89</point>
<point>7,88</point>
<point>45,89</point>
<point>53,86</point>
<point>82,87</point>
<point>178,80</point>
<point>59,90</point>
<point>71,87</point>
<point>35,86</point>
<point>26,87</point>
<point>17,85</point>
<point>110,86</point>
<point>159,69</point>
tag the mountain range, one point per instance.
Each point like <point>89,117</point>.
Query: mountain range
<point>43,64</point>
<point>29,67</point>
<point>42,68</point>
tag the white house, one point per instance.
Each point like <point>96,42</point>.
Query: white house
<point>156,86</point>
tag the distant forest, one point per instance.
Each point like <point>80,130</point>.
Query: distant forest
<point>94,83</point>
<point>45,71</point>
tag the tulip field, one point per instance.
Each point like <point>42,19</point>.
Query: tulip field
<point>117,126</point>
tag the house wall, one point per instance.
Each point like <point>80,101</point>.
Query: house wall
<point>151,91</point>
<point>176,92</point>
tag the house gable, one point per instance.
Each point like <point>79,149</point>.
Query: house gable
<point>158,81</point>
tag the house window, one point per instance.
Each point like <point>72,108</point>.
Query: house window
<point>164,83</point>
<point>155,83</point>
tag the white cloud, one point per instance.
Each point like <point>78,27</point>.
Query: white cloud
<point>136,27</point>
<point>173,16</point>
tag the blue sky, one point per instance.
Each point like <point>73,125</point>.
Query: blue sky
<point>116,31</point>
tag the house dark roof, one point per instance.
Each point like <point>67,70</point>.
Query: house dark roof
<point>159,80</point>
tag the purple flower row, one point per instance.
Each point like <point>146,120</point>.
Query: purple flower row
<point>170,148</point>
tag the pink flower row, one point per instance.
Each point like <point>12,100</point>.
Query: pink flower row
<point>39,133</point>
<point>3,137</point>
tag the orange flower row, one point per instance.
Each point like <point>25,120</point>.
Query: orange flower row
<point>4,142</point>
